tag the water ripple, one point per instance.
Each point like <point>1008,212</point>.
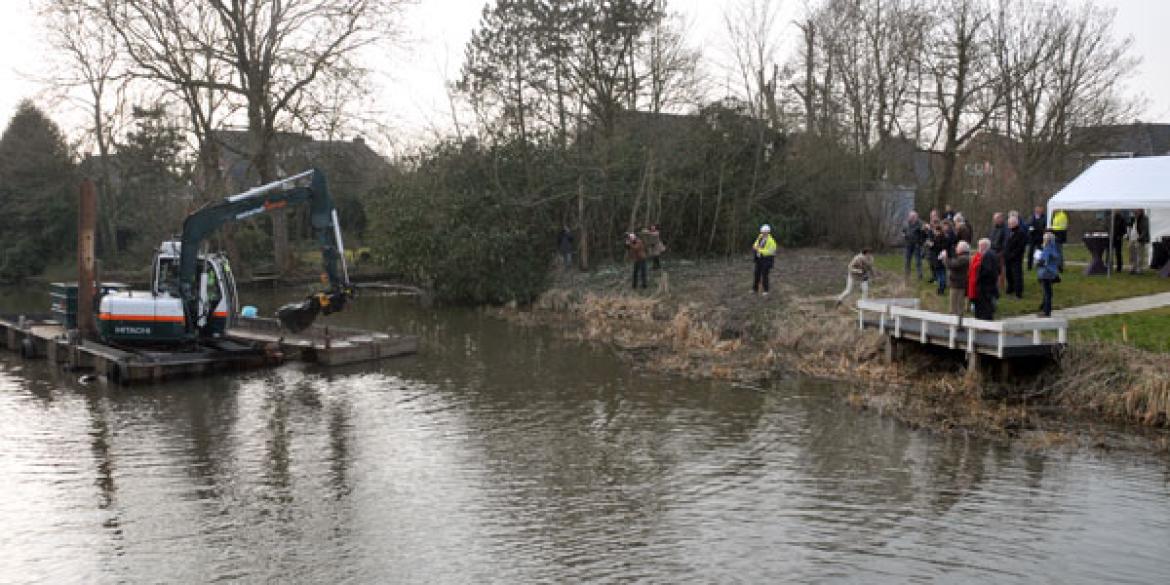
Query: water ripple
<point>505,455</point>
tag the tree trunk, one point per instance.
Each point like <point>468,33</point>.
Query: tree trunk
<point>582,230</point>
<point>718,204</point>
<point>260,146</point>
<point>946,184</point>
<point>810,85</point>
<point>642,192</point>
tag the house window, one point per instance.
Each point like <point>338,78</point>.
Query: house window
<point>979,169</point>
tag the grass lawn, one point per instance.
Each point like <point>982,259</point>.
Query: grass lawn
<point>1148,330</point>
<point>1079,253</point>
<point>1074,289</point>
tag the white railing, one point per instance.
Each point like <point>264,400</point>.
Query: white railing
<point>895,312</point>
<point>882,307</point>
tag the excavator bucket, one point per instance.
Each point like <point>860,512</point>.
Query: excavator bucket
<point>297,317</point>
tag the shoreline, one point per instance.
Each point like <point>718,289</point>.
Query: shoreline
<point>695,322</point>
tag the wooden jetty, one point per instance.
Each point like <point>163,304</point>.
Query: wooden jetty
<point>902,321</point>
<point>253,343</point>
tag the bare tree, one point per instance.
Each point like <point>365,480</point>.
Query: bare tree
<point>753,35</point>
<point>821,36</point>
<point>671,65</point>
<point>162,51</point>
<point>754,42</point>
<point>261,56</point>
<point>965,85</point>
<point>807,88</point>
<point>94,74</point>
<point>1059,69</point>
<point>874,47</point>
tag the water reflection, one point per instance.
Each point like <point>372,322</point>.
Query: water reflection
<point>507,455</point>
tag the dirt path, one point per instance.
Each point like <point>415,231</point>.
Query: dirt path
<point>803,273</point>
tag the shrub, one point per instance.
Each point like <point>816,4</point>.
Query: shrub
<point>442,229</point>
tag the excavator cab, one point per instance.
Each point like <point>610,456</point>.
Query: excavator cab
<point>217,294</point>
<point>165,271</point>
<point>156,316</point>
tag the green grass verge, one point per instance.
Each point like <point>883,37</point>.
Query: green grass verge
<point>1079,253</point>
<point>1149,330</point>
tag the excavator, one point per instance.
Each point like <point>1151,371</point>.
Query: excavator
<point>193,295</point>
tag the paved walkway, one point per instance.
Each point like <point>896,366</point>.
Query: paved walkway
<point>1131,305</point>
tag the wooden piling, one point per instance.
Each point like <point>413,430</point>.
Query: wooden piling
<point>86,227</point>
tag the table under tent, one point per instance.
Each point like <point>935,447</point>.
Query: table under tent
<point>1121,185</point>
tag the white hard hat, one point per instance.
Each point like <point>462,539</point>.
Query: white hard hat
<point>765,229</point>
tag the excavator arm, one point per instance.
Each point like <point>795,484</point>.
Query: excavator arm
<point>308,187</point>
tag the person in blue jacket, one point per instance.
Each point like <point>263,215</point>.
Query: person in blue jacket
<point>1048,267</point>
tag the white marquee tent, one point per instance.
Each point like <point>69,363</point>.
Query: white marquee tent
<point>1121,184</point>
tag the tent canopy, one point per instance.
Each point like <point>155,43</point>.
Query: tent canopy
<point>1124,183</point>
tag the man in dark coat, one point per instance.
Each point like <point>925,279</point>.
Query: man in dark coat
<point>565,246</point>
<point>1013,257</point>
<point>1037,225</point>
<point>1120,225</point>
<point>987,282</point>
<point>957,265</point>
<point>998,236</point>
<point>913,235</point>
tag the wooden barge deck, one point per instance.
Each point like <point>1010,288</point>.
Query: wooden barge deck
<point>252,343</point>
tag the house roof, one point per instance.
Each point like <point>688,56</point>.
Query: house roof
<point>1138,139</point>
<point>296,152</point>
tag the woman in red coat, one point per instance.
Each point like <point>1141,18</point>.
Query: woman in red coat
<point>973,274</point>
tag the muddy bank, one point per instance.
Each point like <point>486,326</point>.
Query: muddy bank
<point>699,319</point>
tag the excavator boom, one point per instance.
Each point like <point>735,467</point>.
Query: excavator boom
<point>263,199</point>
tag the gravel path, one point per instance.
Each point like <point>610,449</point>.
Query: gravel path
<point>1131,305</point>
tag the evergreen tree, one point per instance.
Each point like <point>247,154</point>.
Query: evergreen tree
<point>38,187</point>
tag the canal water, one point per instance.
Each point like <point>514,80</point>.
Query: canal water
<point>503,454</point>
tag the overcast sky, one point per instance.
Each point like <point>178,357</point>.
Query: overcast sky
<point>412,78</point>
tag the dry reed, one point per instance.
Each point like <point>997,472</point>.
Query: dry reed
<point>707,340</point>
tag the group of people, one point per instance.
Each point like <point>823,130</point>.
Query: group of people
<point>997,263</point>
<point>642,248</point>
<point>974,271</point>
<point>975,277</point>
<point>650,245</point>
<point>1134,228</point>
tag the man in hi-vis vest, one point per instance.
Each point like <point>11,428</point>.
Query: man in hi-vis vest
<point>764,252</point>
